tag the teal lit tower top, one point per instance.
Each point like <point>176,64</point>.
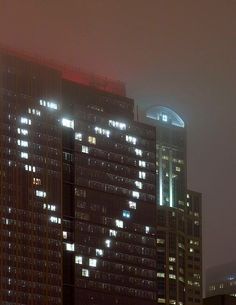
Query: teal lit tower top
<point>166,115</point>
<point>170,156</point>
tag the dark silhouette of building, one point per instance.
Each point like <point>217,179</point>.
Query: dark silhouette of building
<point>220,300</point>
<point>94,204</point>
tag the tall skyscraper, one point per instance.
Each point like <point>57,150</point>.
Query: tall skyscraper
<point>178,219</point>
<point>94,206</point>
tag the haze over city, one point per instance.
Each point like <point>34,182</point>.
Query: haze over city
<point>180,54</point>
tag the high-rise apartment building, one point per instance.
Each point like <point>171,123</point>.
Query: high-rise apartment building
<point>94,204</point>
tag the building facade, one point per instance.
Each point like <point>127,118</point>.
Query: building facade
<point>94,204</point>
<point>221,280</point>
<point>220,300</point>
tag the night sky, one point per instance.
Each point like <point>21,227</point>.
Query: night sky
<point>178,53</point>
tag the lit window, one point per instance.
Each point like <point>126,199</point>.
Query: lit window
<point>70,247</point>
<point>41,194</point>
<point>24,120</point>
<point>68,123</point>
<point>24,132</point>
<point>78,136</point>
<point>92,140</point>
<point>177,168</point>
<point>92,262</point>
<point>52,105</point>
<point>147,229</point>
<point>54,219</point>
<point>139,184</point>
<point>126,214</point>
<point>99,252</point>
<point>138,152</point>
<point>116,124</point>
<point>108,243</point>
<point>130,139</point>
<point>172,259</point>
<point>172,276</point>
<point>34,111</point>
<point>36,181</point>
<point>64,234</point>
<point>142,163</point>
<point>142,175</point>
<point>22,143</point>
<point>43,103</point>
<point>113,233</point>
<point>30,168</point>
<point>164,118</point>
<point>85,272</point>
<point>24,155</point>
<point>161,274</point>
<point>135,194</point>
<point>102,131</point>
<point>85,149</point>
<point>119,223</point>
<point>132,205</point>
<point>79,260</point>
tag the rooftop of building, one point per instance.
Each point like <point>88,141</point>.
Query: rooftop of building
<point>219,273</point>
<point>70,73</point>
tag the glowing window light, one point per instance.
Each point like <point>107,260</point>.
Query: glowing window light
<point>138,184</point>
<point>68,123</point>
<point>92,140</point>
<point>135,194</point>
<point>108,243</point>
<point>112,233</point>
<point>132,205</point>
<point>85,149</point>
<point>41,194</point>
<point>25,120</point>
<point>70,247</point>
<point>101,131</point>
<point>22,143</point>
<point>138,152</point>
<point>126,214</point>
<point>78,136</point>
<point>34,111</point>
<point>24,155</point>
<point>49,104</point>
<point>99,252</point>
<point>79,260</point>
<point>142,175</point>
<point>30,168</point>
<point>24,132</point>
<point>85,272</point>
<point>92,262</point>
<point>119,223</point>
<point>142,163</point>
<point>130,139</point>
<point>116,124</point>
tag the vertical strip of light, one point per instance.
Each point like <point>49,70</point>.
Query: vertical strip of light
<point>160,178</point>
<point>170,177</point>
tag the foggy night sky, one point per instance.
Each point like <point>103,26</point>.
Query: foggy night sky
<point>178,53</point>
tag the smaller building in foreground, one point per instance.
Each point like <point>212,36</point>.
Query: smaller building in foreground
<point>220,300</point>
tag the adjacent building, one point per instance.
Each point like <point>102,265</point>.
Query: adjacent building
<point>94,204</point>
<point>221,280</point>
<point>220,300</point>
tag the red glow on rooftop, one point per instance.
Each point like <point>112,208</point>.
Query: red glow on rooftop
<point>71,73</point>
